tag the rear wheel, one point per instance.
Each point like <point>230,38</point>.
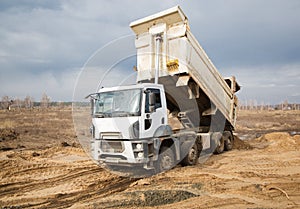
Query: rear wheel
<point>220,144</point>
<point>192,156</point>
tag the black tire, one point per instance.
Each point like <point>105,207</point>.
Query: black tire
<point>229,140</point>
<point>220,145</point>
<point>192,157</point>
<point>166,160</point>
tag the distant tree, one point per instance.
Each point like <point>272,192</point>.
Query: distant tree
<point>60,104</point>
<point>17,103</point>
<point>6,102</point>
<point>255,104</point>
<point>285,105</point>
<point>28,102</point>
<point>262,106</point>
<point>251,105</point>
<point>45,101</point>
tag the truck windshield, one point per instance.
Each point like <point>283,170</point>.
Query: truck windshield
<point>121,103</point>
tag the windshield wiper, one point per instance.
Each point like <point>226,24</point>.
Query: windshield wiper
<point>99,115</point>
<point>124,113</point>
<point>119,113</point>
<point>115,114</point>
<point>133,114</point>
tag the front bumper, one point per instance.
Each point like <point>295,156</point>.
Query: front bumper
<point>127,153</point>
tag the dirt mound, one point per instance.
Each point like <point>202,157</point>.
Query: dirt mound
<point>8,137</point>
<point>240,144</point>
<point>297,138</point>
<point>279,141</point>
<point>8,134</point>
<point>148,198</point>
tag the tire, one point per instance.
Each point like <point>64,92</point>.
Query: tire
<point>228,139</point>
<point>166,160</point>
<point>220,145</point>
<point>192,157</point>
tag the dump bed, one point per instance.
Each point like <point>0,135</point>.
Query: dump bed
<point>181,55</point>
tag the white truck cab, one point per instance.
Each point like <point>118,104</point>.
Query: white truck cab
<point>126,119</point>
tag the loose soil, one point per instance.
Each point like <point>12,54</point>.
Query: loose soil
<point>43,166</point>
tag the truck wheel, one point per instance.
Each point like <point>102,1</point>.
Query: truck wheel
<point>166,159</point>
<point>219,146</point>
<point>228,138</point>
<point>192,156</point>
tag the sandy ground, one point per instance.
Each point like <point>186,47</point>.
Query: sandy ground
<point>52,171</point>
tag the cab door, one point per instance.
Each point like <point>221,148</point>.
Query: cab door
<point>155,112</point>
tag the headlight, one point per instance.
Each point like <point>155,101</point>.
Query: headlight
<point>140,154</point>
<point>139,146</point>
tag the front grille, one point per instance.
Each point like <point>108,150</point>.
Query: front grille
<point>111,146</point>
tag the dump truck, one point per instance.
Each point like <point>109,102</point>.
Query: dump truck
<point>179,107</point>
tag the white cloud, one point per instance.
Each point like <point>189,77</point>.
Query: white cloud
<point>271,83</point>
<point>258,41</point>
<point>58,87</point>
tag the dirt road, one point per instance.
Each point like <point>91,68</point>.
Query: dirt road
<point>263,172</point>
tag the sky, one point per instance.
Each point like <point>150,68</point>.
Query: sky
<point>44,45</point>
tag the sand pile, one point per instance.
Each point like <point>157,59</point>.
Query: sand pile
<point>279,141</point>
<point>241,144</point>
<point>8,134</point>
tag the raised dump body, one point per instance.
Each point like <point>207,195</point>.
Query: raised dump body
<point>182,58</point>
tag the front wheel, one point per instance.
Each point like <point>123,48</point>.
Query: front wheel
<point>166,160</point>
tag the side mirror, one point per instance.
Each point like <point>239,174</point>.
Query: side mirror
<point>150,103</point>
<point>92,105</point>
<point>152,99</point>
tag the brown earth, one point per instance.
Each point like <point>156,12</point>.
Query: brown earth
<point>43,166</point>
